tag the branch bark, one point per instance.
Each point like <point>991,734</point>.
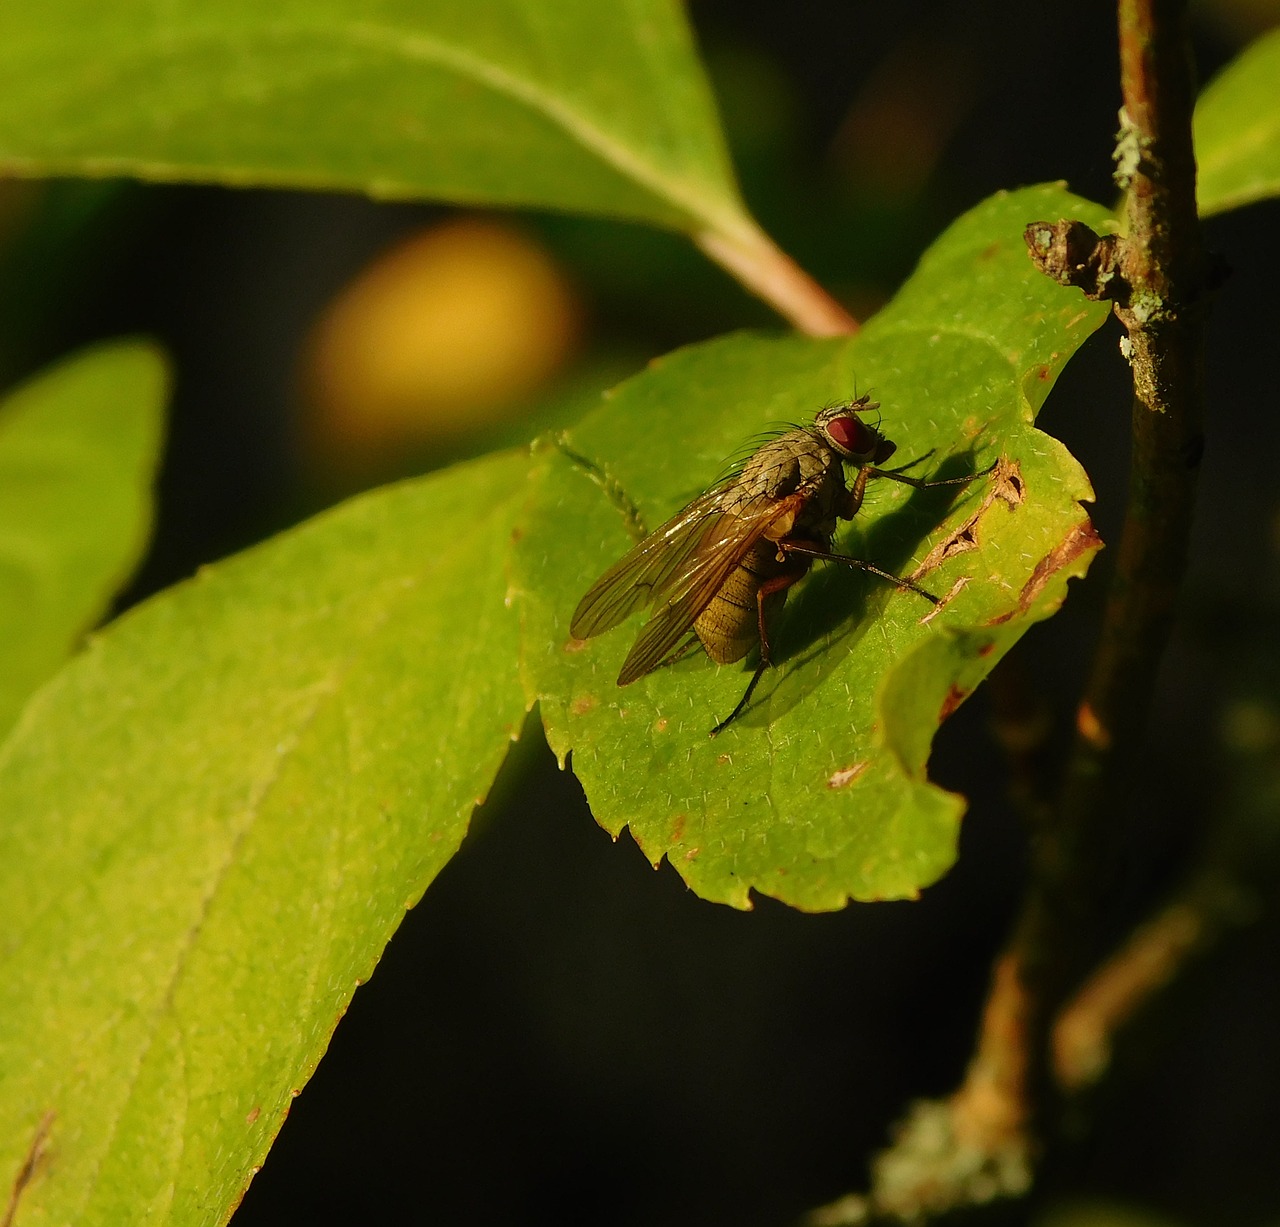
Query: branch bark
<point>1159,277</point>
<point>984,1140</point>
<point>1165,273</point>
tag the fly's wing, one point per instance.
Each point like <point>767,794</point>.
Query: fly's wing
<point>645,573</point>
<point>723,544</point>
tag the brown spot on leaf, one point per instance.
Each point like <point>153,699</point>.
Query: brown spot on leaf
<point>990,251</point>
<point>582,704</point>
<point>847,775</point>
<point>691,853</point>
<point>1043,374</point>
<point>660,724</point>
<point>955,696</point>
<point>574,645</point>
<point>961,583</point>
<point>1082,538</point>
<point>987,648</point>
<point>677,827</point>
<point>963,540</point>
<point>252,1115</point>
<point>32,1162</point>
<point>723,760</point>
<point>1007,483</point>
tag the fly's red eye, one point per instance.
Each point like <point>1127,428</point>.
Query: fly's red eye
<point>852,434</point>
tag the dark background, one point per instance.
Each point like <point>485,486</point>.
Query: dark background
<point>557,1033</point>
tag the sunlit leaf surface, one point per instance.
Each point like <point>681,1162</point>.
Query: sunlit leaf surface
<point>1237,130</point>
<point>818,793</point>
<point>449,99</point>
<point>214,820</point>
<point>78,451</point>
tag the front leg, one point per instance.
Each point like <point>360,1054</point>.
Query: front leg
<point>920,483</point>
<point>854,495</point>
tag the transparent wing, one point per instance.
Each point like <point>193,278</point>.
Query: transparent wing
<point>645,573</point>
<point>724,543</point>
<point>702,543</point>
<point>662,635</point>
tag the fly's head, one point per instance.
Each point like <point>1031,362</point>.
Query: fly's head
<point>849,436</point>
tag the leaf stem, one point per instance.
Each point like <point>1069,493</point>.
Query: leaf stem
<point>751,257</point>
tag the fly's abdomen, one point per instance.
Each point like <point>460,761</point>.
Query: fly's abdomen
<point>729,627</point>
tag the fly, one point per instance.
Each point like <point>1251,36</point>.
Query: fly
<point>721,567</point>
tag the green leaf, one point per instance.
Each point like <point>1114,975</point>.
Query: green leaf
<point>214,820</point>
<point>818,792</point>
<point>1237,130</point>
<point>78,450</point>
<point>575,105</point>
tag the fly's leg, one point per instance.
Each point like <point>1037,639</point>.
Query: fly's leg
<point>777,584</point>
<point>857,491</point>
<point>742,702</point>
<point>918,483</point>
<point>853,500</point>
<point>823,555</point>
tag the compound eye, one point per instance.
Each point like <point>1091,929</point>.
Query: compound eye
<point>853,435</point>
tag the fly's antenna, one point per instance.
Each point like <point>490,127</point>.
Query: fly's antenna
<point>874,404</point>
<point>849,402</point>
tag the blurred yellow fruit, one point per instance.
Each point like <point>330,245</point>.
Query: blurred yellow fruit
<point>446,333</point>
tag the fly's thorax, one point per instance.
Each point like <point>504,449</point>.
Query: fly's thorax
<point>790,463</point>
<point>817,518</point>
